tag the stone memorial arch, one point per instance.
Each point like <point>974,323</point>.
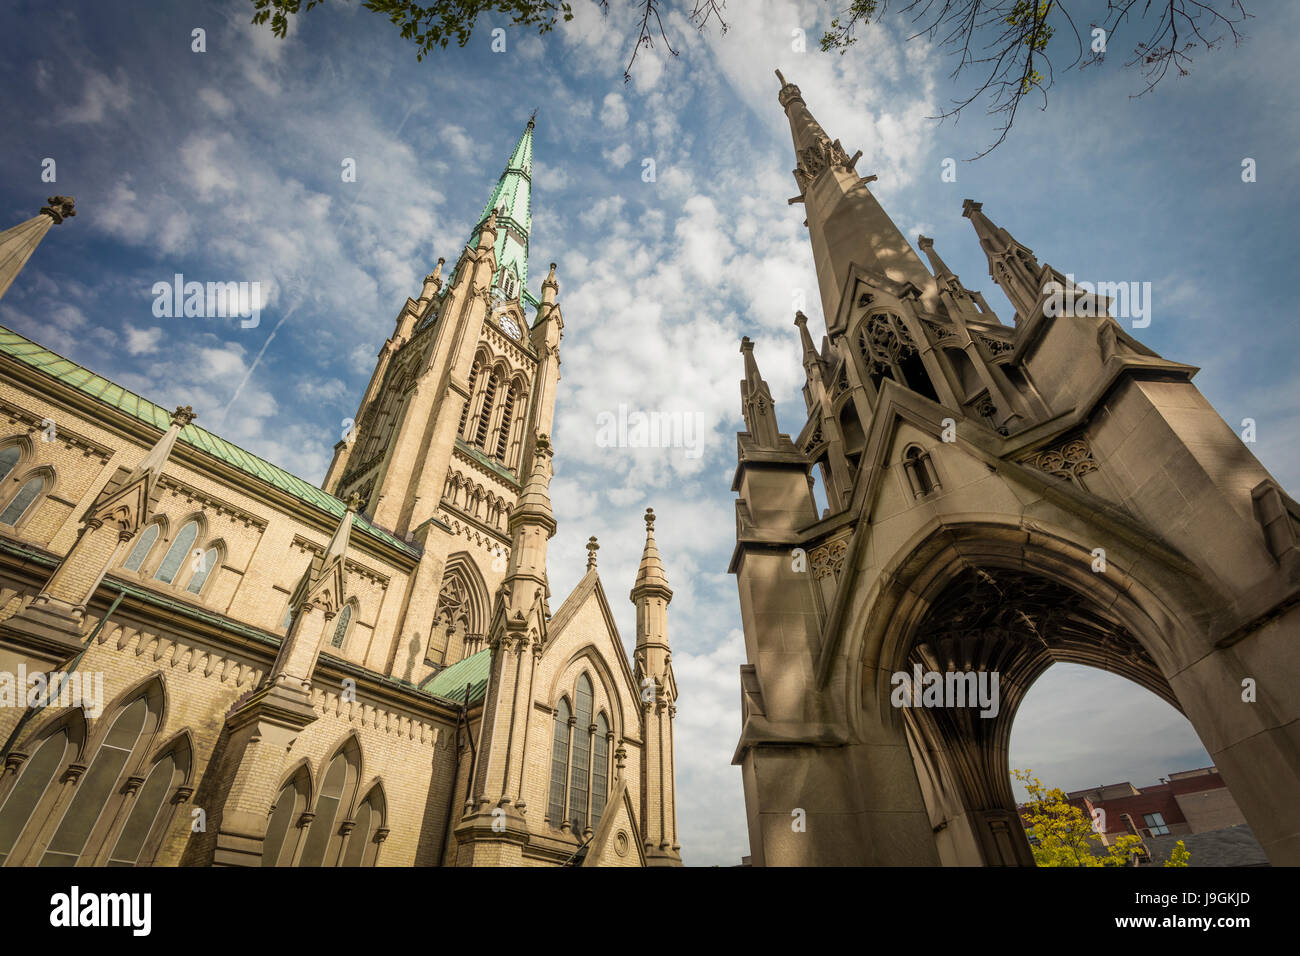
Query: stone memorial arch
<point>995,499</point>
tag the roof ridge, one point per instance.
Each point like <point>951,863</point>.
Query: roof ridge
<point>41,359</point>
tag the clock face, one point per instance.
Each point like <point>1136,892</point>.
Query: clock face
<point>508,324</point>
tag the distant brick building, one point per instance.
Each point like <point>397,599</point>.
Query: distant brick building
<point>1190,801</point>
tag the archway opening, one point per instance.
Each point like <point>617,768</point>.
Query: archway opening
<point>983,639</point>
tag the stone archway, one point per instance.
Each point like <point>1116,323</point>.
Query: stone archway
<point>989,598</point>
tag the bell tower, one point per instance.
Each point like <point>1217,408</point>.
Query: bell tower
<point>444,437</point>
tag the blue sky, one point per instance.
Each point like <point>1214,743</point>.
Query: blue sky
<point>225,166</point>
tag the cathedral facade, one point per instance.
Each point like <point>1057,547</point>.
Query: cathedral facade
<point>997,498</point>
<point>210,661</point>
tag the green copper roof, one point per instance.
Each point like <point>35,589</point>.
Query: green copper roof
<point>512,197</point>
<point>450,682</point>
<point>97,387</point>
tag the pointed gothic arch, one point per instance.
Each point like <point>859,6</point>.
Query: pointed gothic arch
<point>461,615</point>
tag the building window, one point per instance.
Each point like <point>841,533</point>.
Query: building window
<point>8,459</point>
<point>35,778</point>
<point>20,502</point>
<point>580,771</point>
<point>177,553</point>
<point>341,628</point>
<point>323,844</point>
<point>507,414</point>
<point>580,765</point>
<point>277,850</point>
<point>1156,823</point>
<point>599,770</point>
<point>559,764</point>
<point>485,414</point>
<point>327,808</point>
<point>101,791</point>
<point>464,412</point>
<point>203,568</point>
<point>143,545</point>
<point>168,773</point>
<point>921,476</point>
<point>363,847</point>
<point>509,284</point>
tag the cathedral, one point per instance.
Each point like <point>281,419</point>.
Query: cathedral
<point>995,498</point>
<point>205,660</point>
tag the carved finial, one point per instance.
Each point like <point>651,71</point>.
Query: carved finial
<point>969,207</point>
<point>550,279</point>
<point>183,415</point>
<point>649,519</point>
<point>924,243</point>
<point>780,77</point>
<point>746,345</point>
<point>592,548</point>
<point>59,208</point>
<point>800,319</point>
<point>543,443</point>
<point>354,502</point>
<point>532,119</point>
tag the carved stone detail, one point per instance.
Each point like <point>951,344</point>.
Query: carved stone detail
<point>828,559</point>
<point>1072,459</point>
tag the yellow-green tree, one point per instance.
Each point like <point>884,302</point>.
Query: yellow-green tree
<point>1179,855</point>
<point>1063,836</point>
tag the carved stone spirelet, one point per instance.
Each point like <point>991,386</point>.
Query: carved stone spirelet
<point>817,158</point>
<point>59,208</point>
<point>1073,459</point>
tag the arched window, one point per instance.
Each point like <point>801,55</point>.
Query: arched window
<point>149,814</point>
<point>321,846</point>
<point>143,545</point>
<point>177,553</point>
<point>507,413</point>
<point>362,848</point>
<point>104,780</point>
<point>920,472</point>
<point>20,502</point>
<point>8,458</point>
<point>32,783</point>
<point>464,412</point>
<point>599,769</point>
<point>485,414</point>
<point>341,628</point>
<point>580,766</point>
<point>559,764</point>
<point>288,809</point>
<point>204,570</point>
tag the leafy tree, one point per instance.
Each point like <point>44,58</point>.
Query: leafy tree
<point>1179,855</point>
<point>1009,44</point>
<point>1062,836</point>
<point>1006,42</point>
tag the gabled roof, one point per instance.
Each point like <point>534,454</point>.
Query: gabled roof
<point>450,682</point>
<point>69,373</point>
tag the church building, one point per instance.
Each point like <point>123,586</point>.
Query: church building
<point>206,660</point>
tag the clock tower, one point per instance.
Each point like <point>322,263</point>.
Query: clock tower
<point>447,430</point>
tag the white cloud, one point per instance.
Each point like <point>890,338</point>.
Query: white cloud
<point>619,156</point>
<point>142,341</point>
<point>613,112</point>
<point>101,96</point>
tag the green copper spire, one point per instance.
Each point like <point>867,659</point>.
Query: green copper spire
<point>512,198</point>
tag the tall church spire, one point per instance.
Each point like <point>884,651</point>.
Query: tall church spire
<point>512,198</point>
<point>846,224</point>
